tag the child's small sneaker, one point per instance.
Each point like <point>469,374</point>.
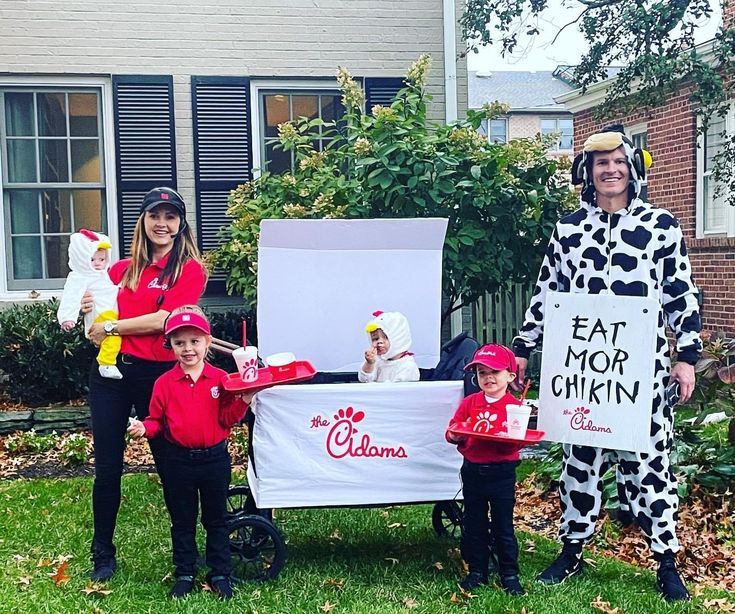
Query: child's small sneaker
<point>472,580</point>
<point>182,587</point>
<point>221,586</point>
<point>110,372</point>
<point>512,585</point>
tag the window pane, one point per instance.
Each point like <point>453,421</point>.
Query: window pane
<point>57,256</point>
<point>332,108</point>
<point>566,127</point>
<point>305,106</point>
<point>54,160</point>
<point>19,114</point>
<point>498,131</point>
<point>548,126</point>
<point>275,111</point>
<point>51,114</point>
<point>277,160</point>
<point>83,114</point>
<point>56,211</point>
<point>23,211</point>
<point>27,258</point>
<point>640,140</point>
<point>483,128</point>
<point>715,210</point>
<point>88,210</point>
<point>713,141</point>
<point>85,161</point>
<point>22,161</point>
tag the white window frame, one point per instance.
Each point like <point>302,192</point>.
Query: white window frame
<point>108,154</point>
<point>729,230</point>
<point>295,85</point>
<point>490,129</point>
<point>556,148</point>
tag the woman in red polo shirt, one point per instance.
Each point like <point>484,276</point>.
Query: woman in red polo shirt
<point>164,272</point>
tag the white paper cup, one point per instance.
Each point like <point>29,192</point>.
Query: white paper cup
<point>518,416</point>
<point>246,360</point>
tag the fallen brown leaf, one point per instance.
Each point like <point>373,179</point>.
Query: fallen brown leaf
<point>438,565</point>
<point>338,584</point>
<point>61,576</point>
<point>410,603</point>
<point>23,582</point>
<point>327,607</point>
<point>604,606</point>
<point>93,588</point>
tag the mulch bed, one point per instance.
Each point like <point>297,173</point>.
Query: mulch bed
<point>706,526</point>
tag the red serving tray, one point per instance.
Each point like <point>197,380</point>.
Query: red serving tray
<point>233,382</point>
<point>532,436</point>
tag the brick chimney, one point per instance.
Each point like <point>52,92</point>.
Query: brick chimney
<point>728,13</point>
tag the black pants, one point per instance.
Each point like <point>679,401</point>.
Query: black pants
<point>492,484</point>
<point>193,476</point>
<point>110,401</point>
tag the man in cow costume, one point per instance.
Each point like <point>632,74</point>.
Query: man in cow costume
<point>616,243</point>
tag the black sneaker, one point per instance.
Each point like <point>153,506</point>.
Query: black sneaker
<point>221,586</point>
<point>669,582</point>
<point>104,568</point>
<point>182,587</point>
<point>569,563</point>
<point>472,581</point>
<point>512,585</point>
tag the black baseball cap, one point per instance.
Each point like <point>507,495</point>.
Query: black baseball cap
<point>163,196</point>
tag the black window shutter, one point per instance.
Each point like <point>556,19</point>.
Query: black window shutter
<point>381,90</point>
<point>222,154</point>
<point>145,143</point>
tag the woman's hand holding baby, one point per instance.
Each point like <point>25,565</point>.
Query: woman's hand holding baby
<point>136,428</point>
<point>68,325</point>
<point>371,355</point>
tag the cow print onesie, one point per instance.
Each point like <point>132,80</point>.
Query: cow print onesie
<point>638,251</point>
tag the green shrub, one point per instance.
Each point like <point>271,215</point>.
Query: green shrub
<point>73,450</point>
<point>43,364</point>
<point>30,442</point>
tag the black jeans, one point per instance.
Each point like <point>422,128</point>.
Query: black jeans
<point>493,484</point>
<point>193,476</point>
<point>110,401</point>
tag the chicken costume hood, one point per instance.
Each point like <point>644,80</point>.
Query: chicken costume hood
<point>395,326</point>
<point>82,246</point>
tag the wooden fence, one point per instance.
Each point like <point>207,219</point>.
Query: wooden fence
<point>497,317</point>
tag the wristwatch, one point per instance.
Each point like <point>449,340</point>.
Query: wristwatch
<point>110,328</point>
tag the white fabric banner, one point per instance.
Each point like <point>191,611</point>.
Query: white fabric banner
<point>355,444</point>
<point>319,281</point>
<point>597,370</point>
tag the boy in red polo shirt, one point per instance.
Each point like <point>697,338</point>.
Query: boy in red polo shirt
<point>194,415</point>
<point>488,472</point>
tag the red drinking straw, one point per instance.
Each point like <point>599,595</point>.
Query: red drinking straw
<point>244,333</point>
<point>525,390</point>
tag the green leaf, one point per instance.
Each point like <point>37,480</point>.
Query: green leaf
<point>476,171</point>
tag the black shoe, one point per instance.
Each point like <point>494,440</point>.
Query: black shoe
<point>569,563</point>
<point>182,587</point>
<point>104,567</point>
<point>669,582</point>
<point>472,581</point>
<point>512,585</point>
<point>221,586</point>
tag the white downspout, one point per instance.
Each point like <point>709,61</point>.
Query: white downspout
<point>450,100</point>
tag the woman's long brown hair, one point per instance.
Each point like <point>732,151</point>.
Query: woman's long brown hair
<point>141,254</point>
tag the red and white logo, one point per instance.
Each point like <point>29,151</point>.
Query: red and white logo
<point>581,420</point>
<point>164,196</point>
<point>344,440</point>
<point>483,422</point>
<point>214,390</point>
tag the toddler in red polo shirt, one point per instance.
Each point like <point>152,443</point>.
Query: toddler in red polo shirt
<point>488,472</point>
<point>194,414</point>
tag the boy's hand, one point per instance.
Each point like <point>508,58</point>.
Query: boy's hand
<point>370,355</point>
<point>136,428</point>
<point>68,325</point>
<point>246,397</point>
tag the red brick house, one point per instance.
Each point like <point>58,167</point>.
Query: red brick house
<point>679,181</point>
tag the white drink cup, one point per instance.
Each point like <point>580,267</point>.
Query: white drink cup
<point>246,360</point>
<point>518,416</point>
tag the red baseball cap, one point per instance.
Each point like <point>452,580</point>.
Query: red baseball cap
<point>187,318</point>
<point>494,356</point>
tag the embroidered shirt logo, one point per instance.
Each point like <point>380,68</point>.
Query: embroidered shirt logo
<point>215,392</point>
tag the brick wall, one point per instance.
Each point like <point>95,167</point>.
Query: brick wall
<point>672,183</point>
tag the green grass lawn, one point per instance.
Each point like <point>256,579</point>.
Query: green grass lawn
<point>351,559</point>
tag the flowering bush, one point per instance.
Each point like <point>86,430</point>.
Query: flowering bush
<point>501,200</point>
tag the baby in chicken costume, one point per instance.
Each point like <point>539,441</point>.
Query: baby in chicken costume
<point>388,359</point>
<point>89,261</point>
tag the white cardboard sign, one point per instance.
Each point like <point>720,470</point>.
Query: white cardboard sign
<point>319,281</point>
<point>355,444</point>
<point>597,370</point>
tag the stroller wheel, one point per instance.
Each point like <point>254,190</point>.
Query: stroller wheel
<point>240,501</point>
<point>446,518</point>
<point>257,548</point>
